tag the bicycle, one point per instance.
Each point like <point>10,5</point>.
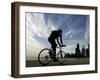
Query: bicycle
<point>45,56</point>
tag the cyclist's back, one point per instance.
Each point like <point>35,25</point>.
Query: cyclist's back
<point>54,35</point>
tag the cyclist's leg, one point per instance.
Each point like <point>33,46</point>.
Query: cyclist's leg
<point>54,45</point>
<point>50,53</point>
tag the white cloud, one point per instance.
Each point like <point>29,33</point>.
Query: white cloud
<point>87,30</point>
<point>87,34</point>
<point>35,26</point>
<point>70,33</point>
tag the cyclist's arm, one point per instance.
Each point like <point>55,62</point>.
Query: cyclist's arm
<point>61,40</point>
<point>58,42</point>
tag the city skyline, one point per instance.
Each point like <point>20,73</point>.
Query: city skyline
<point>79,52</point>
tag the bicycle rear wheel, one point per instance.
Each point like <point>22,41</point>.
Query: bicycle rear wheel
<point>44,57</point>
<point>61,57</point>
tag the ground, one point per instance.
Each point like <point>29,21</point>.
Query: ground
<point>68,61</point>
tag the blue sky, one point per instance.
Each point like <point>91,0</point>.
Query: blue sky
<point>39,26</point>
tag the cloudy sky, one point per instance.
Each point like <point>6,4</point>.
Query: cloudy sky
<point>39,26</point>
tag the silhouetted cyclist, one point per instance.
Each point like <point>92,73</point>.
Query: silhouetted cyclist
<point>55,36</point>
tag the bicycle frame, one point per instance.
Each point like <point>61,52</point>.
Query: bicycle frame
<point>60,48</point>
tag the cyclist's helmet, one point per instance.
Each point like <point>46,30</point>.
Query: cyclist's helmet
<point>60,31</point>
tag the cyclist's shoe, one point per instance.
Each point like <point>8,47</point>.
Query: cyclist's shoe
<point>55,59</point>
<point>62,45</point>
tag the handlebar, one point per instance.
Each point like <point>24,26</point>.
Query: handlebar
<point>62,46</point>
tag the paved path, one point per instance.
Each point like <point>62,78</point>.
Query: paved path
<point>68,61</point>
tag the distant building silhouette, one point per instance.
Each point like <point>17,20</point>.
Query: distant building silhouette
<point>83,51</point>
<point>77,51</point>
<point>88,51</point>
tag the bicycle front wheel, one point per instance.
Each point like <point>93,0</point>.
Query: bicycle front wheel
<point>61,57</point>
<point>44,57</point>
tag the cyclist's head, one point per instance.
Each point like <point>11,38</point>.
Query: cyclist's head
<point>60,31</point>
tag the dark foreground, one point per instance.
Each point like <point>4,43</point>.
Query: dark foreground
<point>68,61</point>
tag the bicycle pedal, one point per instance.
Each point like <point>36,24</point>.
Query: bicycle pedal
<point>55,60</point>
